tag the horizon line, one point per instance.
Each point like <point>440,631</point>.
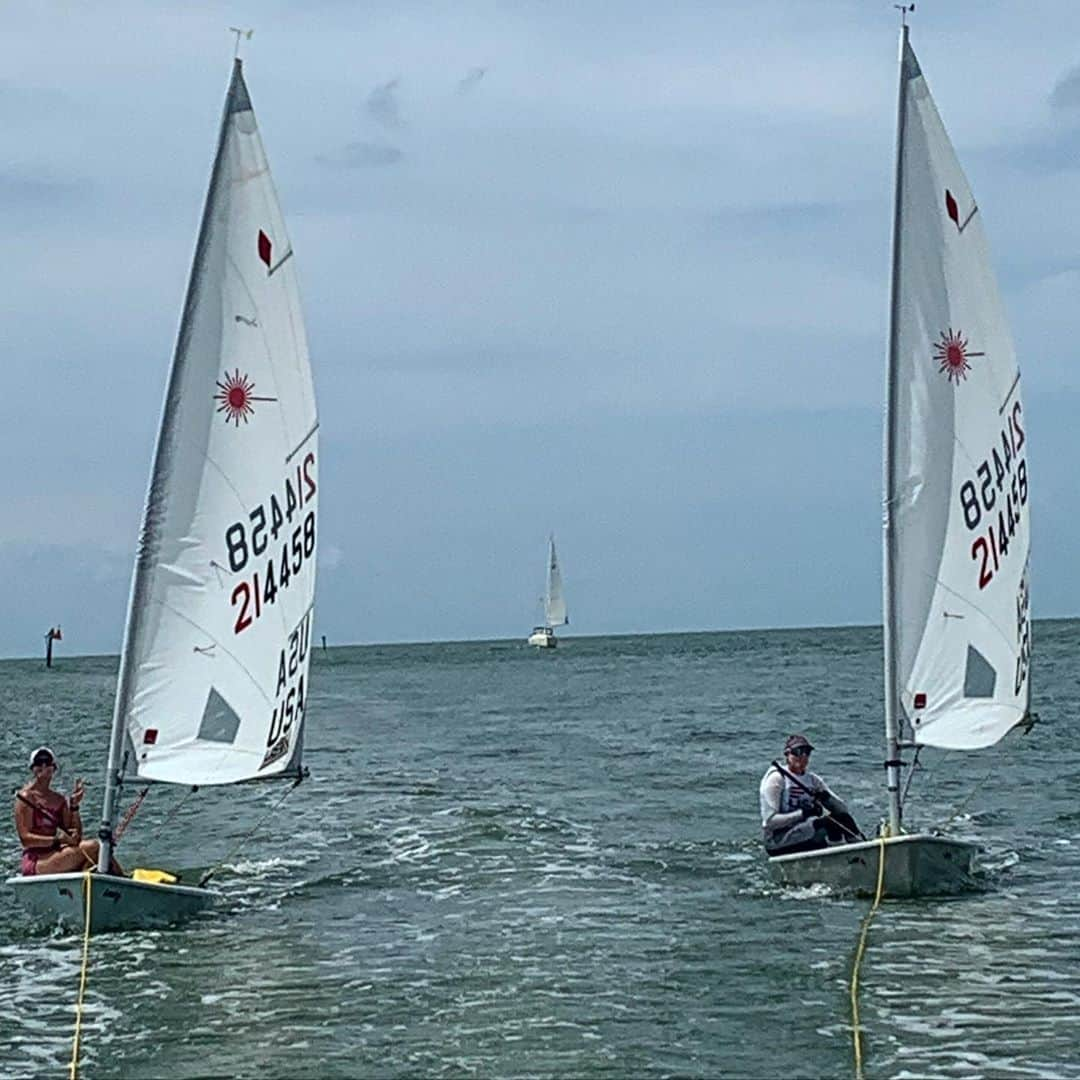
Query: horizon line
<point>575,637</point>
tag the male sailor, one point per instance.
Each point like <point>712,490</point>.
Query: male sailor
<point>798,811</point>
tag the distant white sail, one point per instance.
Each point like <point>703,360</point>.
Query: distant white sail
<point>959,457</point>
<point>554,602</point>
<point>214,676</point>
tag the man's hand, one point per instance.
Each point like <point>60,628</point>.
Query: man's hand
<point>65,839</point>
<point>77,793</point>
<point>814,810</point>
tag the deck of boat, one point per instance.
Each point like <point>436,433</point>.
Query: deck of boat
<point>116,903</point>
<point>919,864</point>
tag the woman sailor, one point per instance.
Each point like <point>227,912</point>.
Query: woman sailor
<point>49,826</point>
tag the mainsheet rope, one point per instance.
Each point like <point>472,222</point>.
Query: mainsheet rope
<point>248,835</point>
<point>962,805</point>
<point>856,1029</point>
<point>167,819</point>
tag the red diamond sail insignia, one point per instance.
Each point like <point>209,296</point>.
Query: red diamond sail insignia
<point>951,208</point>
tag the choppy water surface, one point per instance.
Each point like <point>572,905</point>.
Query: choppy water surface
<point>546,864</point>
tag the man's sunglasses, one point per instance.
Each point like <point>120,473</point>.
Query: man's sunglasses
<point>38,762</point>
<point>801,751</point>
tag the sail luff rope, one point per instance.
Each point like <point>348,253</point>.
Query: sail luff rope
<point>73,1071</point>
<point>856,1028</point>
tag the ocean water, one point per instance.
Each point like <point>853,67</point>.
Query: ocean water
<point>515,863</point>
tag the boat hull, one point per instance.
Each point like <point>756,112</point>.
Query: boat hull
<point>543,639</point>
<point>915,865</point>
<point>116,903</point>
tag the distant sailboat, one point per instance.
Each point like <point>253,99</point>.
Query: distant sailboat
<point>956,532</point>
<point>554,604</point>
<point>214,669</point>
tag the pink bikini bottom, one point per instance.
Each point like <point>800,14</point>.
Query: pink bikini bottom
<point>30,858</point>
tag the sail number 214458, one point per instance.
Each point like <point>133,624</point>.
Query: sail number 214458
<point>992,502</point>
<point>275,542</point>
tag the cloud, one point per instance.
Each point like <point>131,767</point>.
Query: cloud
<point>362,155</point>
<point>382,104</point>
<point>1065,97</point>
<point>643,231</point>
<point>474,76</point>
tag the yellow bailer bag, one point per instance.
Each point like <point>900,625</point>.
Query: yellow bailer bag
<point>154,877</point>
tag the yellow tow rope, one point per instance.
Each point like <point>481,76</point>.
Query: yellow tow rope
<point>856,1030</point>
<point>88,887</point>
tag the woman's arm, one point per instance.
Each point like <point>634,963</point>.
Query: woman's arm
<point>24,824</point>
<point>71,821</point>
<point>71,808</point>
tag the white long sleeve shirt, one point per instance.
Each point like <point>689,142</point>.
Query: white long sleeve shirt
<point>782,801</point>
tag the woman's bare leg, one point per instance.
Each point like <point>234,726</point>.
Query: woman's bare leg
<point>92,850</point>
<point>83,857</point>
<point>64,861</point>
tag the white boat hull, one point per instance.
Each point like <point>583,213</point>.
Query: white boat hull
<point>543,639</point>
<point>915,865</point>
<point>116,903</point>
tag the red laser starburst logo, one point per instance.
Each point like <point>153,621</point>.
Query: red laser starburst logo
<point>952,354</point>
<point>235,396</point>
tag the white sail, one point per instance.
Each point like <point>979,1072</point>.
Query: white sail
<point>554,602</point>
<point>959,475</point>
<point>214,674</point>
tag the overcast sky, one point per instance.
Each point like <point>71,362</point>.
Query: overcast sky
<point>618,271</point>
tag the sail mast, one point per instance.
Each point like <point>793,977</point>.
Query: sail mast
<point>890,628</point>
<point>149,537</point>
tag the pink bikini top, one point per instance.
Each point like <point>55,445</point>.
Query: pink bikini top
<point>44,820</point>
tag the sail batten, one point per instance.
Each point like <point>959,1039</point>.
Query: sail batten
<point>213,684</point>
<point>956,466</point>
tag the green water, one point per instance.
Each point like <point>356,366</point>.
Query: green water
<point>514,863</point>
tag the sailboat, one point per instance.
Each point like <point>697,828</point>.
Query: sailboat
<point>554,604</point>
<point>957,633</point>
<point>213,678</point>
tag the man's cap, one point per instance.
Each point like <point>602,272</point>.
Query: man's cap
<point>796,741</point>
<point>41,751</point>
